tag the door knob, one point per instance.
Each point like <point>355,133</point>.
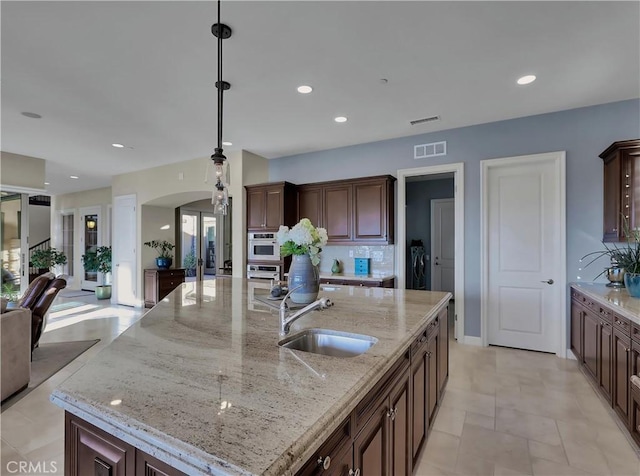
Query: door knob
<point>548,281</point>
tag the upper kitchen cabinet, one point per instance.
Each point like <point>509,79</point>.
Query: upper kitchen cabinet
<point>352,211</point>
<point>621,188</point>
<point>270,205</point>
<point>373,218</point>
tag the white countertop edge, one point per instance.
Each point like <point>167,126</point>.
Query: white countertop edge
<point>170,450</point>
<point>620,310</point>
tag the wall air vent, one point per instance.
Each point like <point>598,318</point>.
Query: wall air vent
<point>426,119</point>
<point>434,149</point>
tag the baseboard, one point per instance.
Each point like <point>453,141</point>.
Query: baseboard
<point>570,355</point>
<point>473,340</point>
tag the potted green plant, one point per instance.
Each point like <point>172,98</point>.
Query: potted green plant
<point>164,248</point>
<point>625,261</point>
<point>189,263</point>
<point>99,261</point>
<point>48,258</point>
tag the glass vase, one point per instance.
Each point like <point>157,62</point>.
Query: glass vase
<point>304,274</point>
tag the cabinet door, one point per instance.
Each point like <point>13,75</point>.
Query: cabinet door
<point>576,330</point>
<point>370,453</point>
<point>274,208</point>
<point>338,212</point>
<point>418,402</point>
<point>432,374</point>
<point>621,365</point>
<point>400,456</point>
<point>147,465</point>
<point>634,420</point>
<point>605,352</point>
<point>612,198</point>
<point>89,450</point>
<point>590,343</point>
<point>634,360</point>
<point>370,212</point>
<point>255,209</point>
<point>443,351</point>
<point>310,205</point>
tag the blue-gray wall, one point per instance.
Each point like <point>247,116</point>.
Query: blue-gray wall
<point>419,196</point>
<point>583,133</point>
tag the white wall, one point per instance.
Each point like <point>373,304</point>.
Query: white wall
<point>39,224</point>
<point>154,219</point>
<point>21,172</point>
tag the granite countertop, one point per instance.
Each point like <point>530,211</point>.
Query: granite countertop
<point>357,277</point>
<point>204,386</point>
<point>623,304</point>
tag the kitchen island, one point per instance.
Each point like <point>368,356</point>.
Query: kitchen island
<point>200,383</point>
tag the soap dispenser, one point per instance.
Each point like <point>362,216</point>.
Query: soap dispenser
<point>335,268</point>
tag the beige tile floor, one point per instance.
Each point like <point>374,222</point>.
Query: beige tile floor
<point>505,412</point>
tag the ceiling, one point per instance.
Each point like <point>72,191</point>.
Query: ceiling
<point>142,74</point>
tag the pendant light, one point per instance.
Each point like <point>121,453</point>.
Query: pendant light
<point>220,199</point>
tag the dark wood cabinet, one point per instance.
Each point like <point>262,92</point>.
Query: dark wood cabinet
<point>605,351</point>
<point>271,205</point>
<point>158,283</point>
<point>419,396</point>
<point>352,211</point>
<point>370,454</point>
<point>89,450</point>
<point>621,373</point>
<point>432,386</point>
<point>610,354</point>
<point>310,204</point>
<point>399,432</point>
<point>373,210</point>
<point>590,333</point>
<point>147,465</point>
<point>621,188</point>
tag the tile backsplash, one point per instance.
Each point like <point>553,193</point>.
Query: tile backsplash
<point>382,258</point>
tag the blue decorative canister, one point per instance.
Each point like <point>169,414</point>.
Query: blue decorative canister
<point>304,274</point>
<point>632,283</point>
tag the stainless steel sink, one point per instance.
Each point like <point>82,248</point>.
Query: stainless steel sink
<point>329,342</point>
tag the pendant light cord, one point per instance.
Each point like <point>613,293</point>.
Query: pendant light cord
<point>219,85</point>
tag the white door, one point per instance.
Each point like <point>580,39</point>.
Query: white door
<point>523,229</point>
<point>90,239</point>
<point>124,250</point>
<point>443,246</point>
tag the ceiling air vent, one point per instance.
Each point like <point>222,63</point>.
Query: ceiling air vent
<point>426,119</point>
<point>433,149</point>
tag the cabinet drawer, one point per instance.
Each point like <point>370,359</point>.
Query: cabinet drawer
<point>169,284</point>
<point>604,313</point>
<point>622,323</point>
<point>326,458</point>
<point>433,326</point>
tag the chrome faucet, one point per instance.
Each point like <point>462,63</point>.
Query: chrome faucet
<point>285,322</point>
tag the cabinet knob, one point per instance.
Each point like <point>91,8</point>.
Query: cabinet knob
<point>354,473</point>
<point>626,350</point>
<point>428,354</point>
<point>324,462</point>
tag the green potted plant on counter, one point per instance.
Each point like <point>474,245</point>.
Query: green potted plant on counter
<point>625,261</point>
<point>99,261</point>
<point>164,248</point>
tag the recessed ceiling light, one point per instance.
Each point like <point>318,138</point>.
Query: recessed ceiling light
<point>227,143</point>
<point>165,227</point>
<point>73,176</point>
<point>304,89</point>
<point>117,401</point>
<point>119,146</point>
<point>528,79</point>
<point>340,119</point>
<point>47,183</point>
<point>31,115</point>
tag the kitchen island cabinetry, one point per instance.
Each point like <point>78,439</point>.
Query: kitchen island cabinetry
<point>369,282</point>
<point>206,389</point>
<point>270,205</point>
<point>605,325</point>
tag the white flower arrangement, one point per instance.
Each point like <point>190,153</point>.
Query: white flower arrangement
<point>303,238</point>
